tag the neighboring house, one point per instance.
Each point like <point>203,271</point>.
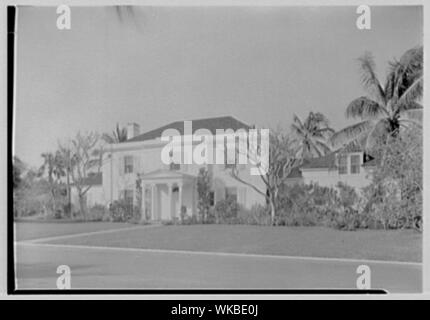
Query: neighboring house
<point>168,188</point>
<point>349,165</point>
<point>94,195</point>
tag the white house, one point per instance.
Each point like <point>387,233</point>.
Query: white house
<point>170,187</point>
<point>349,165</point>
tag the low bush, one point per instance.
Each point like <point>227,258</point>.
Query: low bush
<point>257,215</point>
<point>97,213</point>
<point>226,211</point>
<point>122,211</point>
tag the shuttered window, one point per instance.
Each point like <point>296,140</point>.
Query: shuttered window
<point>128,164</point>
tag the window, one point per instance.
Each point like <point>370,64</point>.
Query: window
<point>173,166</point>
<point>343,164</point>
<point>355,164</point>
<point>231,192</point>
<point>128,164</point>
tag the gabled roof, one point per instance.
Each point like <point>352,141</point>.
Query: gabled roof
<point>327,161</point>
<point>210,124</point>
<point>166,174</point>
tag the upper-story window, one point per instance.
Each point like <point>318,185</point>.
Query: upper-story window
<point>355,164</point>
<point>173,166</point>
<point>343,164</point>
<point>128,164</point>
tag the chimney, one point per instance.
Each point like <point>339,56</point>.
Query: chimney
<point>132,130</point>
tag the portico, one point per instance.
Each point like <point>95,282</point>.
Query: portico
<point>165,192</point>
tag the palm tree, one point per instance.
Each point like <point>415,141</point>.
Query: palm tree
<point>118,135</point>
<point>53,166</point>
<point>386,109</point>
<point>313,134</point>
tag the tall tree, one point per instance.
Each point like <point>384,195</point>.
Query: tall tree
<point>17,168</point>
<point>282,159</point>
<point>386,109</point>
<point>204,193</point>
<point>66,157</point>
<point>118,135</point>
<point>313,134</point>
<point>53,167</point>
<point>87,157</point>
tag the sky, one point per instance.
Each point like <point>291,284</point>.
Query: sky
<point>261,65</point>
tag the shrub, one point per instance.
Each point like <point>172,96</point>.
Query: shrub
<point>257,215</point>
<point>226,210</point>
<point>312,205</point>
<point>121,211</point>
<point>97,213</point>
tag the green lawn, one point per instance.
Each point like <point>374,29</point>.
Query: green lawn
<point>36,229</point>
<point>400,245</point>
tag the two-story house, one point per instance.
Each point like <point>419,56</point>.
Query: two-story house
<point>169,187</point>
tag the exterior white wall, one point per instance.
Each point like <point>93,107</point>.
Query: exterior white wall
<point>147,158</point>
<point>331,177</point>
<point>95,195</point>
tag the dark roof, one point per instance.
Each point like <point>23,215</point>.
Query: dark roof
<point>210,124</point>
<point>295,173</point>
<point>327,161</point>
<point>93,179</point>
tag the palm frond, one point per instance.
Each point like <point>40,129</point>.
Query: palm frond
<point>351,133</point>
<point>412,114</point>
<point>369,77</point>
<point>365,108</point>
<point>413,93</point>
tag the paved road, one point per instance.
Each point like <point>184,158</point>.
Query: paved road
<point>100,268</point>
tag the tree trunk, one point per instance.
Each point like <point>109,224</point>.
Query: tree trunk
<point>69,196</point>
<point>82,205</point>
<point>272,211</point>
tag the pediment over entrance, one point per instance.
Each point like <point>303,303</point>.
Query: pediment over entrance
<point>163,174</point>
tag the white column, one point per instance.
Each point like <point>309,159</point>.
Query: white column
<point>193,192</point>
<point>153,199</point>
<point>143,213</point>
<point>169,197</point>
<point>180,196</point>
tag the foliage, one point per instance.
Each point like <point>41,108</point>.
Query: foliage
<point>97,212</point>
<point>256,215</point>
<point>121,211</point>
<point>87,157</point>
<point>313,134</point>
<point>118,135</point>
<point>226,210</point>
<point>387,108</point>
<point>204,193</point>
<point>17,170</point>
<point>282,159</point>
<point>395,194</point>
